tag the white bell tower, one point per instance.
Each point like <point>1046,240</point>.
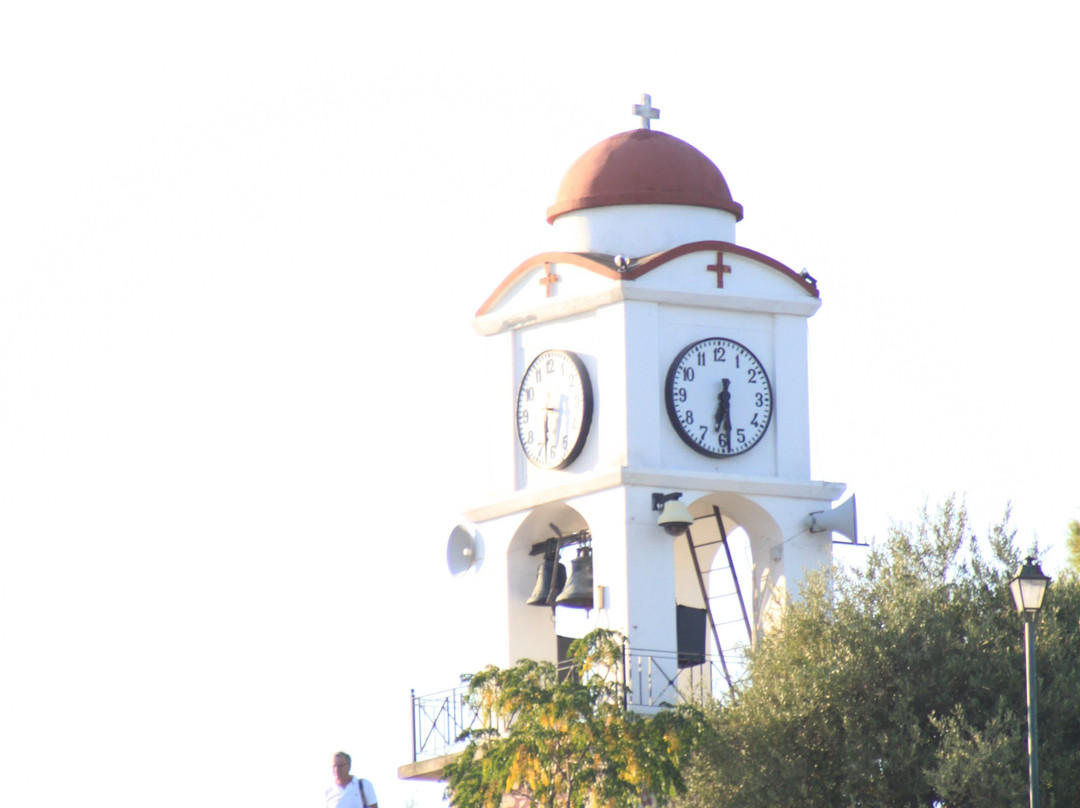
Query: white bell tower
<point>646,353</point>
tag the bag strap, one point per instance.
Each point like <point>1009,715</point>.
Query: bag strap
<point>363,797</point>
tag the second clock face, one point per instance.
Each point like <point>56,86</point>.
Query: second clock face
<point>554,409</point>
<point>718,397</point>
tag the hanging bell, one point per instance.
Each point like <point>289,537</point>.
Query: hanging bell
<point>549,571</point>
<point>578,592</point>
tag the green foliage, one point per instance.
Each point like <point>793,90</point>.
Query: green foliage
<point>564,738</point>
<point>902,684</point>
<point>1072,544</point>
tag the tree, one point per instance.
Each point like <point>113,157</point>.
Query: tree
<point>565,738</point>
<point>902,684</point>
<point>1072,544</point>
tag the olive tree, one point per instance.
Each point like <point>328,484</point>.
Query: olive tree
<point>901,683</point>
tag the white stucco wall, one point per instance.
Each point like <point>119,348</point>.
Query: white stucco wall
<point>636,230</point>
<point>628,333</point>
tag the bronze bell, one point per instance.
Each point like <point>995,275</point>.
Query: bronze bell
<point>578,592</point>
<point>550,569</point>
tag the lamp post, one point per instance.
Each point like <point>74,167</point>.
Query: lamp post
<point>1028,587</point>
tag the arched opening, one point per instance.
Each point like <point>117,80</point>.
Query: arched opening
<point>715,588</point>
<point>542,630</point>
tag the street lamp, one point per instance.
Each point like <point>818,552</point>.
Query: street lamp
<point>1028,587</point>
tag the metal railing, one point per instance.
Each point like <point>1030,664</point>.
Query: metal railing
<point>655,680</point>
<point>438,721</point>
<point>652,680</point>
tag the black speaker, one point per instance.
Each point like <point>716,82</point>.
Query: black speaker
<point>690,635</point>
<point>566,669</point>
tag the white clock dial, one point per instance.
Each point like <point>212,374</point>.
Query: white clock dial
<point>554,409</point>
<point>718,397</point>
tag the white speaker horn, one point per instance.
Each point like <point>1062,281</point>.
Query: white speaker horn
<point>464,550</point>
<point>840,519</point>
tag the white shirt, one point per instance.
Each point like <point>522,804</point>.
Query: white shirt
<point>349,796</point>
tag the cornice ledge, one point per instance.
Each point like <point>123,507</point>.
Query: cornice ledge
<point>431,769</point>
<point>704,483</point>
<point>805,308</point>
<point>710,482</point>
<point>526,500</point>
<point>496,323</point>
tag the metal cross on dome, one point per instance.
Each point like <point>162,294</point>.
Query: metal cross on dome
<point>646,111</point>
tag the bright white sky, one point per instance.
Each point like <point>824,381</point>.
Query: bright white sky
<point>240,248</point>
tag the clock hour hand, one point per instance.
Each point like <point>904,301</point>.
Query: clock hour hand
<point>546,411</point>
<point>551,422</point>
<point>723,413</point>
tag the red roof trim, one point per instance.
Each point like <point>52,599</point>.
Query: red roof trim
<point>697,200</point>
<point>604,265</point>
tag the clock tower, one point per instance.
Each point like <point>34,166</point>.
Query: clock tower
<point>646,354</point>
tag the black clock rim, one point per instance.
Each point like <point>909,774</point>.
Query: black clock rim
<point>669,403</point>
<point>586,409</point>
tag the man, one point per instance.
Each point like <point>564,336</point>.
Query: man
<point>348,791</point>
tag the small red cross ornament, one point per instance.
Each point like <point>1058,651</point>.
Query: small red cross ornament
<point>549,279</point>
<point>720,268</point>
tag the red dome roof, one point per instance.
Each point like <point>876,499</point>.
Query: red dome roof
<point>643,167</point>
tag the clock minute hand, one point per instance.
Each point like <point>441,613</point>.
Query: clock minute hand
<point>723,412</point>
<point>557,417</point>
<point>546,411</point>
<point>551,421</point>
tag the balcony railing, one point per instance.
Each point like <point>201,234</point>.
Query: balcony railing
<point>652,680</point>
<point>439,719</point>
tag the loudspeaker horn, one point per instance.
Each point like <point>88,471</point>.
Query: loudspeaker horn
<point>840,519</point>
<point>464,550</point>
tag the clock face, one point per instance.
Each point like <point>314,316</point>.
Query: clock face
<point>554,409</point>
<point>718,397</point>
